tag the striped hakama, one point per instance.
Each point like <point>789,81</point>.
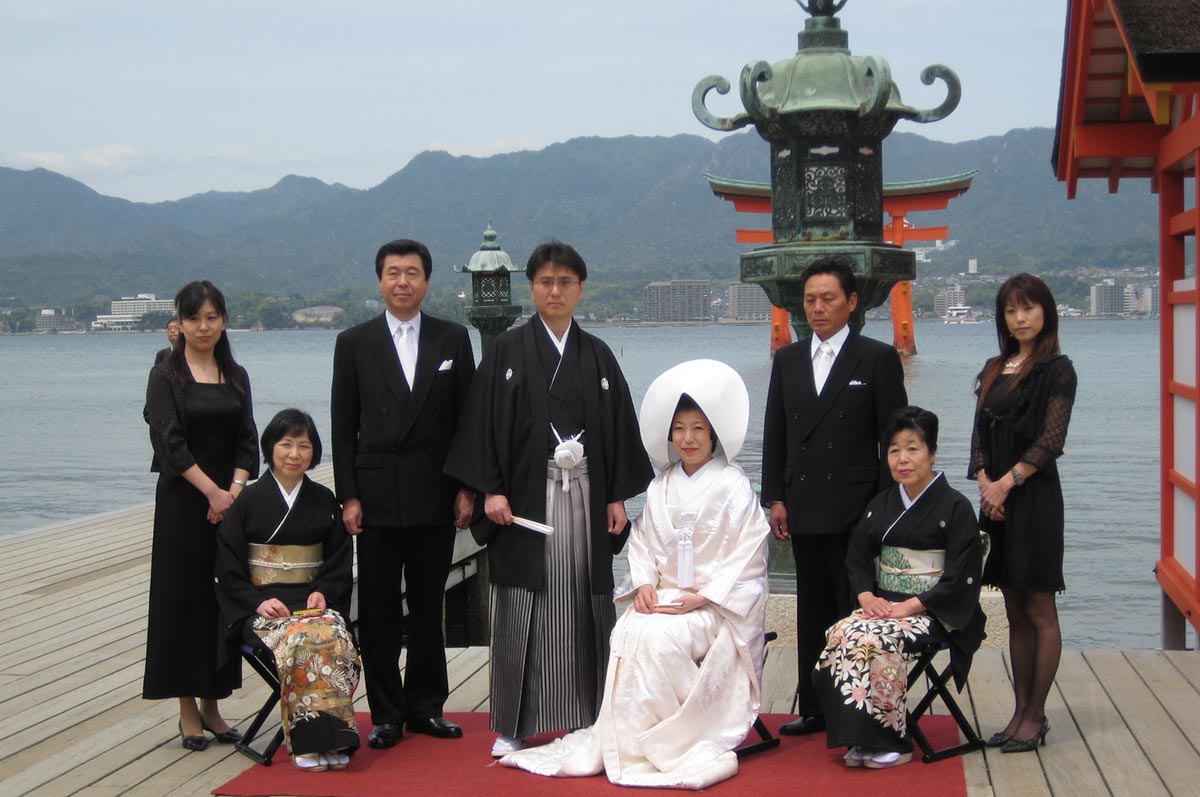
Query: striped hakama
<point>549,648</point>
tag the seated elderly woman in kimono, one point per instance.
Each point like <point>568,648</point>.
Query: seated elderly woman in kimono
<point>914,563</point>
<point>698,579</point>
<point>283,580</point>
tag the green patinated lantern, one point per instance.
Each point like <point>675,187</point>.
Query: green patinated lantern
<point>825,114</point>
<point>491,310</point>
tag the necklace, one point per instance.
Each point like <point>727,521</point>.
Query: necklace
<point>1013,365</point>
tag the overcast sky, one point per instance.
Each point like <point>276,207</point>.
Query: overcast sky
<point>160,99</point>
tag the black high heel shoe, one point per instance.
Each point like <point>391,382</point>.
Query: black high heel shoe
<point>231,736</point>
<point>997,739</point>
<point>193,743</point>
<point>1015,745</point>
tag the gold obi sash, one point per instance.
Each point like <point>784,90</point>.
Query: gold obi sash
<point>284,564</point>
<point>909,571</point>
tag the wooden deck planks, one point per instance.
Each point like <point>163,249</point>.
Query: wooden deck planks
<point>991,696</point>
<point>1117,755</point>
<point>1164,747</point>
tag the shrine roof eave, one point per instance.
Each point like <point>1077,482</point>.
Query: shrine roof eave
<point>1122,62</point>
<point>952,184</point>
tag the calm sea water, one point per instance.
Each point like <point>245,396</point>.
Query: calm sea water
<point>72,439</point>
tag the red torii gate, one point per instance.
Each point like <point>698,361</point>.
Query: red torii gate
<point>899,199</point>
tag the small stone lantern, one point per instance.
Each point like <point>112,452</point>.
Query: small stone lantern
<point>491,310</point>
<point>825,114</point>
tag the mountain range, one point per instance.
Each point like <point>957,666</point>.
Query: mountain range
<point>637,208</point>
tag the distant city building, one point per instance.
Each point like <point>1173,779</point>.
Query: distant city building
<point>50,320</point>
<point>126,312</point>
<point>1141,299</point>
<point>943,300</point>
<point>1107,299</point>
<point>141,304</point>
<point>973,266</point>
<point>677,300</point>
<point>321,314</point>
<point>115,323</point>
<point>748,302</point>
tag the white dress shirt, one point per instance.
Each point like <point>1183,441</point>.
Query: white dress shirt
<point>836,341</point>
<point>408,359</point>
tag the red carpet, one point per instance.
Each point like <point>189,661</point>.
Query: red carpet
<point>421,765</point>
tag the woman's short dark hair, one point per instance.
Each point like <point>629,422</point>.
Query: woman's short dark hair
<point>291,423</point>
<point>558,253</point>
<point>912,419</point>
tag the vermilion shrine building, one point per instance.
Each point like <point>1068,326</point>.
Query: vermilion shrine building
<point>1129,106</point>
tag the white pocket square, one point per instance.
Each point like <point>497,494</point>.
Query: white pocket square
<point>857,383</point>
<point>446,365</point>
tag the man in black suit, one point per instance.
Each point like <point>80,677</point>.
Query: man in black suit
<point>829,399</point>
<point>399,384</point>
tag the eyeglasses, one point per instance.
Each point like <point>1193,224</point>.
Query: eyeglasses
<point>564,284</point>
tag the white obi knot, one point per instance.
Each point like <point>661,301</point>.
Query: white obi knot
<point>685,568</point>
<point>567,454</point>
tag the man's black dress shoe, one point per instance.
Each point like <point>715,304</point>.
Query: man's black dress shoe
<point>440,727</point>
<point>385,735</point>
<point>802,726</point>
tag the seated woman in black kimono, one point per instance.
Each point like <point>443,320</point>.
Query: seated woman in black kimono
<point>283,578</point>
<point>925,537</point>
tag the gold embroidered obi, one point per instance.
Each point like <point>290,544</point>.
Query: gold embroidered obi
<point>284,564</point>
<point>909,571</point>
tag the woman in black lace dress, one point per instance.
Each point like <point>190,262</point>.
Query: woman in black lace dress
<point>1024,407</point>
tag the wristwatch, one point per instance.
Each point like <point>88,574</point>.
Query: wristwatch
<point>1018,479</point>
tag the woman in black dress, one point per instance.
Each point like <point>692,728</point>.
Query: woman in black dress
<point>202,430</point>
<point>1021,418</point>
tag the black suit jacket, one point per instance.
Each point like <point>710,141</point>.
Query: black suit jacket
<point>821,454</point>
<point>390,442</point>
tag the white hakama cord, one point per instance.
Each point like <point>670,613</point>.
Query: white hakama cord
<point>681,690</point>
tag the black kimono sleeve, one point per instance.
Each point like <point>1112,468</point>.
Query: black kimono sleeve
<point>863,547</point>
<point>631,471</point>
<point>954,600</point>
<point>474,457</point>
<point>237,596</point>
<point>335,580</point>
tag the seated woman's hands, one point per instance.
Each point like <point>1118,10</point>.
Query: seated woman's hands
<point>316,601</point>
<point>691,601</point>
<point>646,602</point>
<point>643,602</point>
<point>272,608</point>
<point>875,607</point>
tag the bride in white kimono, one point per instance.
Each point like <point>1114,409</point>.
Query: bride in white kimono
<point>683,679</point>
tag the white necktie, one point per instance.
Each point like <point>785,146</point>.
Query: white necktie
<point>407,350</point>
<point>822,365</point>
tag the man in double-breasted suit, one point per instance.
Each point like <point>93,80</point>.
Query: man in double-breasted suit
<point>829,400</point>
<point>400,382</point>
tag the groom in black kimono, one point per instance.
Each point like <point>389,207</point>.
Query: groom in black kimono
<point>400,382</point>
<point>829,401</point>
<point>546,382</point>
